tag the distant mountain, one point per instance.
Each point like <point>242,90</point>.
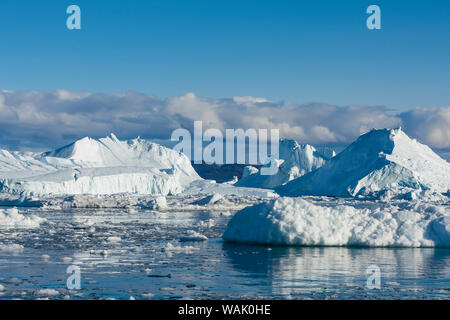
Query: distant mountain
<point>379,163</point>
<point>295,161</point>
<point>219,173</point>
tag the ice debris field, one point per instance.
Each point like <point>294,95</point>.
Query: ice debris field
<point>385,189</point>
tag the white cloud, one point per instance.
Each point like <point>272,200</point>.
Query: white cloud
<point>323,133</point>
<point>249,100</point>
<point>49,119</point>
<point>430,125</point>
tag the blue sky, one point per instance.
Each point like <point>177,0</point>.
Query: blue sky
<point>297,51</point>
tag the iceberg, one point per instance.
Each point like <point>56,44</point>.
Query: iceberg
<point>379,164</point>
<point>90,166</point>
<point>294,161</point>
<point>297,221</point>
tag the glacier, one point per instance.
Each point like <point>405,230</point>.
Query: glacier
<point>91,166</point>
<point>380,164</point>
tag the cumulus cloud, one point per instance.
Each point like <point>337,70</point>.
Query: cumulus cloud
<point>429,125</point>
<point>48,119</point>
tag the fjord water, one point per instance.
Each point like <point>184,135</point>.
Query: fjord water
<point>142,265</point>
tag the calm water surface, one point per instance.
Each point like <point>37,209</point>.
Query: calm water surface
<point>141,265</point>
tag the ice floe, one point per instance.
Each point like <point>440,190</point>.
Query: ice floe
<point>11,218</point>
<point>170,249</point>
<point>193,236</point>
<point>47,293</point>
<point>11,248</point>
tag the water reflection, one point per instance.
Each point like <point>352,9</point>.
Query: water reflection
<point>294,271</point>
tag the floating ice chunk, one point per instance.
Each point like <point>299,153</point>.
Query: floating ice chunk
<point>211,199</point>
<point>170,249</point>
<point>147,295</point>
<point>148,271</point>
<point>45,257</point>
<point>11,218</point>
<point>47,293</point>
<point>207,224</point>
<point>158,203</point>
<point>67,259</point>
<point>295,221</point>
<point>2,288</point>
<point>208,187</point>
<point>232,181</point>
<point>14,281</point>
<point>11,248</point>
<point>193,236</point>
<point>114,239</point>
<point>248,171</point>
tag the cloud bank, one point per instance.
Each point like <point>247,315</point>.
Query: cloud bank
<point>49,119</point>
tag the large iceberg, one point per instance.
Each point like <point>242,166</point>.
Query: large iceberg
<point>90,166</point>
<point>294,161</point>
<point>297,221</point>
<point>380,163</point>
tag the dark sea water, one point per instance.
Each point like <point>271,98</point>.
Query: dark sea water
<point>142,265</point>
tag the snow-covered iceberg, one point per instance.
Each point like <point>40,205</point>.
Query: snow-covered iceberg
<point>90,166</point>
<point>296,221</point>
<point>381,163</point>
<point>294,161</point>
